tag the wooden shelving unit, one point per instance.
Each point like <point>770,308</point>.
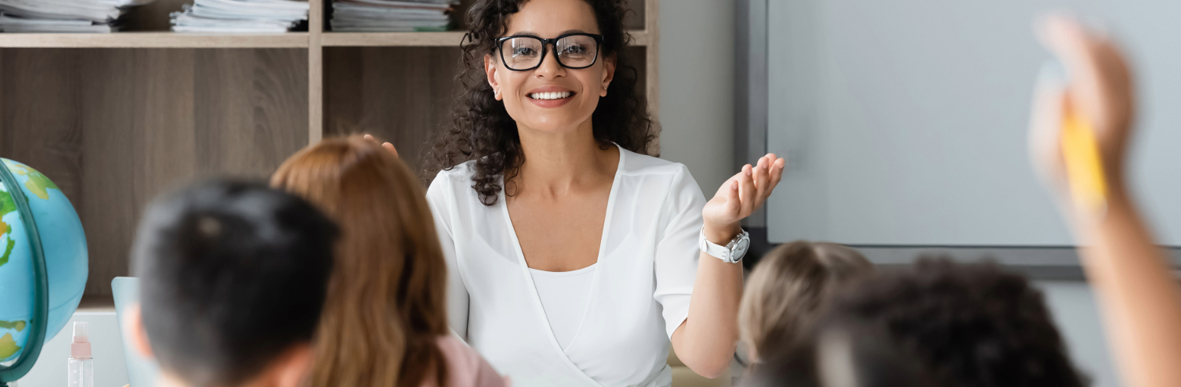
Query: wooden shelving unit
<point>117,119</point>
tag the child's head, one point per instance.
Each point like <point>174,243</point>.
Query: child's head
<point>971,325</point>
<point>787,288</point>
<point>232,279</point>
<point>845,355</point>
<point>387,298</point>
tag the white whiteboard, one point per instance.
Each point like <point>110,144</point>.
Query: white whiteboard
<point>904,121</point>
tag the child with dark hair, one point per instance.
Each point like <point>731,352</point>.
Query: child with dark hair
<point>970,325</point>
<point>232,278</point>
<point>937,324</point>
<point>844,355</point>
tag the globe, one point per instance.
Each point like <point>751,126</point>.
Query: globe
<point>38,226</point>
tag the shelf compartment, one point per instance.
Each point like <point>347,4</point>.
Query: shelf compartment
<point>114,128</point>
<point>399,94</point>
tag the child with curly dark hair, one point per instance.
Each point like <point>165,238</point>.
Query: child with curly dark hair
<point>937,323</point>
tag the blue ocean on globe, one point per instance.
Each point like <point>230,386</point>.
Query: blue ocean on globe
<point>64,245</point>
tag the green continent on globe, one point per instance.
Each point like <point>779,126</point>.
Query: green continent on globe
<point>8,248</point>
<point>7,205</point>
<point>38,184</point>
<point>18,325</point>
<point>8,346</point>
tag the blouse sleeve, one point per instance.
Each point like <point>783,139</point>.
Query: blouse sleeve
<point>439,197</point>
<point>677,251</point>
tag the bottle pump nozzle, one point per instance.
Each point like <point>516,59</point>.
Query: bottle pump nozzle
<point>80,348</point>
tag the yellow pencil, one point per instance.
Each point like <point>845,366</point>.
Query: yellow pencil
<point>1084,168</point>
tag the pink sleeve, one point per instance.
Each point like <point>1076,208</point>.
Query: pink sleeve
<point>466,368</point>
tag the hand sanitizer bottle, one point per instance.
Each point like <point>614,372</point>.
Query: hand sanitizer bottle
<point>81,364</point>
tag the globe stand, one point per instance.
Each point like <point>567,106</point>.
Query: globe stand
<point>40,316</point>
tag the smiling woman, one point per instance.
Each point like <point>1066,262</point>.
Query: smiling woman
<point>483,129</point>
<point>574,256</point>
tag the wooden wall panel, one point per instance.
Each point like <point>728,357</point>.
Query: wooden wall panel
<point>116,127</point>
<point>250,110</point>
<point>401,95</point>
<point>127,91</point>
<point>39,117</point>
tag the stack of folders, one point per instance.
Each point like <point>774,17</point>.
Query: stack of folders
<point>240,16</point>
<point>390,15</point>
<point>94,16</point>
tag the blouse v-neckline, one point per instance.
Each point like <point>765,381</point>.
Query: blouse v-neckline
<point>524,266</point>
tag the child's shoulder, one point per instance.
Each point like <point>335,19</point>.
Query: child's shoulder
<point>465,366</point>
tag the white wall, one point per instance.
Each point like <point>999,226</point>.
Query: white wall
<point>697,88</point>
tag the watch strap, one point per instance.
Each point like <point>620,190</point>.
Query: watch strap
<point>726,253</point>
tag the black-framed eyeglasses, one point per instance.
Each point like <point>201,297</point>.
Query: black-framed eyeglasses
<point>573,51</point>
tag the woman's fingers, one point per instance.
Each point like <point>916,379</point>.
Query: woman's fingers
<point>747,191</point>
<point>762,177</point>
<point>777,172</point>
<point>774,175</point>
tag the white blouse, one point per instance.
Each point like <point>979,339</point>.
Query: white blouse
<point>639,290</point>
<point>564,296</point>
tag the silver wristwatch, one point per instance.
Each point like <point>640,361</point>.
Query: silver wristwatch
<point>730,253</point>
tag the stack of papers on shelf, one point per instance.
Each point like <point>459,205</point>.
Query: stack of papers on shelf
<point>390,15</point>
<point>240,16</point>
<point>63,15</point>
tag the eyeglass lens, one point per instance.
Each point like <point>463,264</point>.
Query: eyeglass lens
<point>523,53</point>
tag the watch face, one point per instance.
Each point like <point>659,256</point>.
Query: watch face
<point>740,250</point>
<point>738,247</point>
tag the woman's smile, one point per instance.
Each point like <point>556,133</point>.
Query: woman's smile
<point>550,96</point>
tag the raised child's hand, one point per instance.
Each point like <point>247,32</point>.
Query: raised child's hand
<point>1099,91</point>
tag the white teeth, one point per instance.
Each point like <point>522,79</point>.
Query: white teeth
<point>551,95</point>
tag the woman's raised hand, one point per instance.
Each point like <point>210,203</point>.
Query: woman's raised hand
<point>386,145</point>
<point>740,196</point>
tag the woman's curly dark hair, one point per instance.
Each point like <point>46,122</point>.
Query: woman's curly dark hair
<point>482,130</point>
